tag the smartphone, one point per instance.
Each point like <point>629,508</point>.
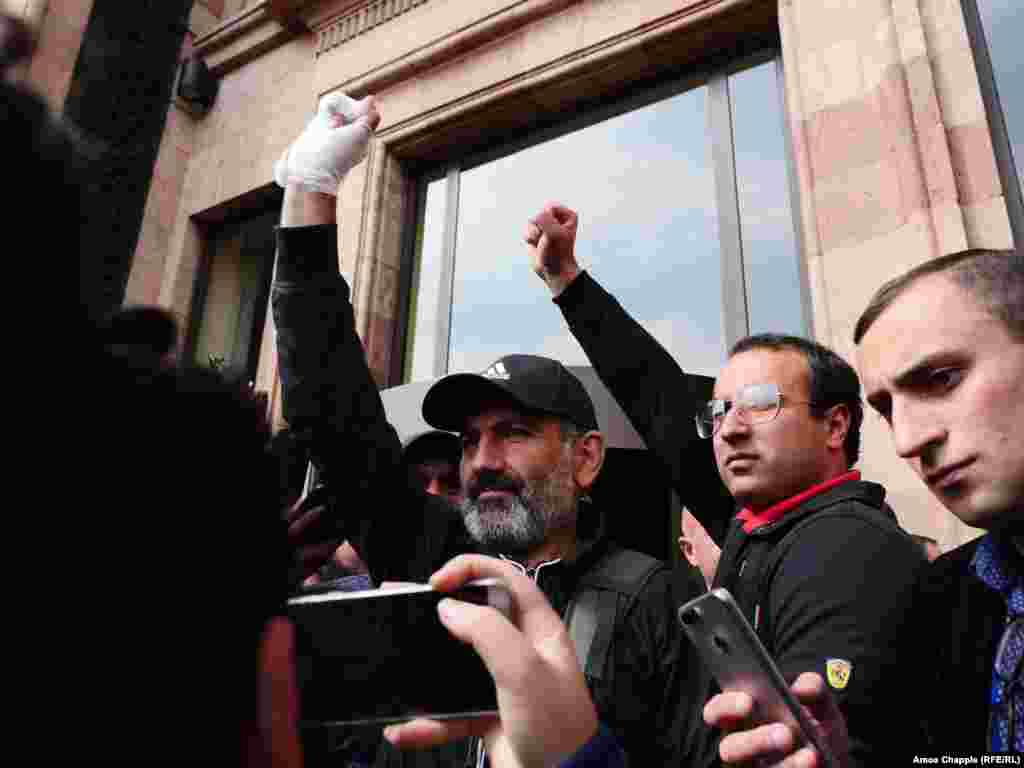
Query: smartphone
<point>383,656</point>
<point>736,657</point>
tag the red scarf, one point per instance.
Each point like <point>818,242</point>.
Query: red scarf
<point>752,519</point>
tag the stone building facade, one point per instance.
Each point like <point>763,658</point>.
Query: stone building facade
<point>895,146</point>
<point>58,39</point>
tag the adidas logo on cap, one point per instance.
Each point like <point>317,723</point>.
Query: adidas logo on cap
<point>531,382</point>
<point>496,371</point>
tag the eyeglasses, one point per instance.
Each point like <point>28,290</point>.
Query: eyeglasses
<point>1009,655</point>
<point>756,404</point>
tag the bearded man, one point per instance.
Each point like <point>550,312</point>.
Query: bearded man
<point>531,452</point>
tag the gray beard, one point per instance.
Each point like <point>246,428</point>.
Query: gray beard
<point>519,524</point>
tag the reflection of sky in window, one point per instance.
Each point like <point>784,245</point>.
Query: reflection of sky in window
<point>426,284</point>
<point>643,187</point>
<point>769,246</point>
<point>1003,21</point>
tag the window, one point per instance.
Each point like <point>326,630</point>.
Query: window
<point>683,197</point>
<point>231,295</point>
<point>996,28</point>
<point>775,285</point>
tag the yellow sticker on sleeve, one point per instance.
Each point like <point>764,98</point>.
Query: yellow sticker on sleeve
<point>838,672</point>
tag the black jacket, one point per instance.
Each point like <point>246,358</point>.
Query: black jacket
<point>833,579</point>
<point>841,589</point>
<point>332,404</point>
<point>958,622</point>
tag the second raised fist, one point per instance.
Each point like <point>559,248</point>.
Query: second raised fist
<point>551,239</point>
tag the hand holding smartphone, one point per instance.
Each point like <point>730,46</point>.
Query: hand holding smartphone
<point>383,656</point>
<point>730,648</point>
<point>545,713</point>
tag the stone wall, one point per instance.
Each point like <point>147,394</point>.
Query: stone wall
<point>59,30</point>
<point>890,138</point>
<point>895,165</point>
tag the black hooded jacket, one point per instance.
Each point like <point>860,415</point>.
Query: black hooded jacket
<point>832,580</point>
<point>649,698</point>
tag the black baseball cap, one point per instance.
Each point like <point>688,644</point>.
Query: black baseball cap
<point>532,382</point>
<point>432,445</point>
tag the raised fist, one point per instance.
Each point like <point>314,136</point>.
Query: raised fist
<point>551,239</point>
<point>333,143</point>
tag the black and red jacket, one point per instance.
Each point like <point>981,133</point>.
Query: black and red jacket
<point>832,579</point>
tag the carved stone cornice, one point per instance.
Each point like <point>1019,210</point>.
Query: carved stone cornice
<point>359,20</point>
<point>262,26</point>
<point>270,23</point>
<point>242,38</point>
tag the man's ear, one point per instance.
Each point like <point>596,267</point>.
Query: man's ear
<point>837,424</point>
<point>588,458</point>
<point>686,547</point>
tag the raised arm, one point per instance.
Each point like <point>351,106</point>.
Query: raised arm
<point>328,392</point>
<point>330,397</point>
<point>644,379</point>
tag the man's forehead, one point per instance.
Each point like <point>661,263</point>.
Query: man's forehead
<point>496,413</point>
<point>786,368</point>
<point>931,318</point>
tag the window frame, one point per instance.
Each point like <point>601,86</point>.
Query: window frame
<point>735,285</point>
<point>1008,172</point>
<point>213,230</point>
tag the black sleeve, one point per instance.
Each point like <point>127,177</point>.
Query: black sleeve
<point>654,705</point>
<point>843,592</point>
<point>331,403</point>
<point>957,624</point>
<point>922,651</point>
<point>655,394</point>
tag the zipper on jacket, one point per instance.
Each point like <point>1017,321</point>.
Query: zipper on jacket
<point>531,573</point>
<point>534,575</point>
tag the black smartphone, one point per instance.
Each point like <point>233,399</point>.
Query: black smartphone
<point>739,661</point>
<point>383,656</point>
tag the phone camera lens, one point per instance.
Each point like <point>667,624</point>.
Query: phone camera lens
<point>720,643</point>
<point>689,616</point>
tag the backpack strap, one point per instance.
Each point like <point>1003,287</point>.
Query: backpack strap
<point>604,594</point>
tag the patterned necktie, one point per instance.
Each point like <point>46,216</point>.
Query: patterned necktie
<point>1006,703</point>
<point>1007,692</point>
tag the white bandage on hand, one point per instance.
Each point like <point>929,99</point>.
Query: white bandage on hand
<point>333,143</point>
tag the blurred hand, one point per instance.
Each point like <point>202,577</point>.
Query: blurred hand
<point>332,144</point>
<point>545,710</point>
<point>551,240</point>
<point>307,519</point>
<point>775,744</point>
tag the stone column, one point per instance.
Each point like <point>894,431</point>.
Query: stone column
<point>371,216</point>
<point>895,166</point>
<point>118,97</point>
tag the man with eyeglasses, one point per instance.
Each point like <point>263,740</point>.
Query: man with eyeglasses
<point>815,558</point>
<point>941,349</point>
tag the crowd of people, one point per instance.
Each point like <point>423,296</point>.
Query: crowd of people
<point>890,654</point>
